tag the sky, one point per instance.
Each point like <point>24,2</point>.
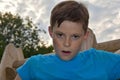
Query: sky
<point>104,15</point>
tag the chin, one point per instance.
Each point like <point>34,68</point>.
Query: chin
<point>66,59</point>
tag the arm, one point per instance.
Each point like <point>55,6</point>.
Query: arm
<point>17,77</point>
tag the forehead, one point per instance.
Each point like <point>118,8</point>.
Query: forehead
<point>69,26</point>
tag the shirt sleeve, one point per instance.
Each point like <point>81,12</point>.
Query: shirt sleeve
<point>24,70</point>
<point>116,71</point>
<point>112,64</point>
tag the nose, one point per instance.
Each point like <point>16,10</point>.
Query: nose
<point>67,42</point>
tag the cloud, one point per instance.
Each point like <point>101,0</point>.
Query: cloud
<point>105,19</point>
<point>7,6</point>
<point>104,14</point>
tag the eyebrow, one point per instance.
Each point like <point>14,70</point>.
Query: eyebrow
<point>56,32</point>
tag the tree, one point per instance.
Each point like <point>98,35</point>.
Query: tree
<point>21,32</point>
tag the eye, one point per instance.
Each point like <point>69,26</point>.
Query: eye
<point>59,35</point>
<point>75,37</point>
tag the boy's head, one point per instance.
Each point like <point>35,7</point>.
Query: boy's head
<point>68,29</point>
<point>71,11</point>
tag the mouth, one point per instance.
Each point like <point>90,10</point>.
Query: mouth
<point>66,52</point>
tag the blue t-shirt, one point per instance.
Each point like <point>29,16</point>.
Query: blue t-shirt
<point>88,65</point>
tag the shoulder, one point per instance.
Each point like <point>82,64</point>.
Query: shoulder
<point>101,52</point>
<point>102,55</point>
<point>40,58</point>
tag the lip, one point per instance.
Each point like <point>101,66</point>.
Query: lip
<point>66,52</point>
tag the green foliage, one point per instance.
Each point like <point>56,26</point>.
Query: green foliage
<point>39,50</point>
<point>21,32</point>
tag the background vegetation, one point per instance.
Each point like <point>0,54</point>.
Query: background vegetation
<point>22,33</point>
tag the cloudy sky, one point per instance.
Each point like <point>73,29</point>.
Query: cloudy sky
<point>104,14</point>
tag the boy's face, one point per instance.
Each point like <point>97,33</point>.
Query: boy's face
<point>67,39</point>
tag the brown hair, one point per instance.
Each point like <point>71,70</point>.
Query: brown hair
<point>71,11</point>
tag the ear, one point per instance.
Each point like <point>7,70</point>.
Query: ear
<point>86,34</point>
<point>50,31</point>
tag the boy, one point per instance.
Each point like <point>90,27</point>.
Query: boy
<point>68,29</point>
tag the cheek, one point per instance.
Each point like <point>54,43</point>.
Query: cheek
<point>77,45</point>
<point>56,43</point>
